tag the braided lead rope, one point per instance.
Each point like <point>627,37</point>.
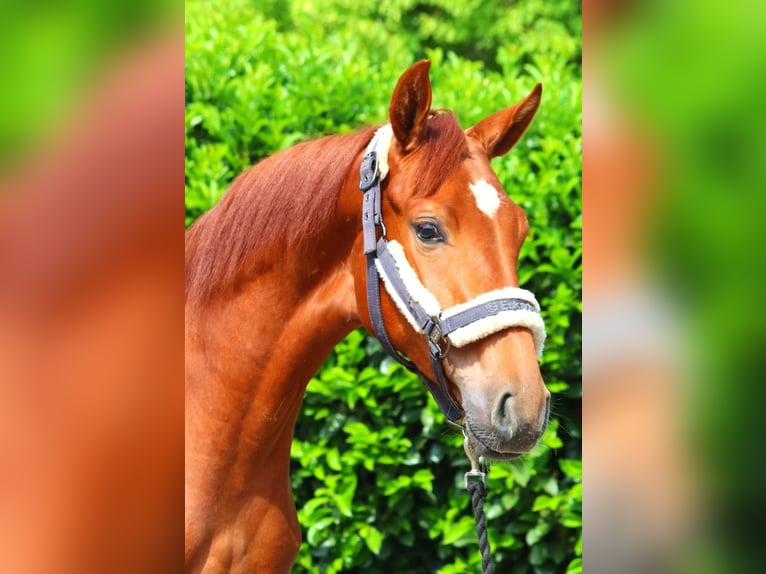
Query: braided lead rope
<point>478,491</point>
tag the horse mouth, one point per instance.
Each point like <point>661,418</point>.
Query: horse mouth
<point>486,447</point>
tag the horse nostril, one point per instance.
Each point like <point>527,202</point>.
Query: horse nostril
<point>503,407</point>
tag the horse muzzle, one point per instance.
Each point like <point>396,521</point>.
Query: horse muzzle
<point>511,429</point>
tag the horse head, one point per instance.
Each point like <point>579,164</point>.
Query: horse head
<point>454,236</point>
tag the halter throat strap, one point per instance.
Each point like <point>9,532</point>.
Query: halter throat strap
<point>458,326</point>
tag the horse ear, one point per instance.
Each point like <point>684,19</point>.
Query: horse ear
<point>499,132</point>
<point>410,105</point>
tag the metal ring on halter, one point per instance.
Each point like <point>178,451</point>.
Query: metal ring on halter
<point>443,353</point>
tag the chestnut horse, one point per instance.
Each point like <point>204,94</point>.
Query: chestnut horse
<point>281,270</point>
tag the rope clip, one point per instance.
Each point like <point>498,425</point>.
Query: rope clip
<point>474,473</point>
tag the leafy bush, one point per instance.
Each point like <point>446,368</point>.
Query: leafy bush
<point>377,475</point>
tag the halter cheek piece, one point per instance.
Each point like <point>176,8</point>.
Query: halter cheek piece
<point>457,326</point>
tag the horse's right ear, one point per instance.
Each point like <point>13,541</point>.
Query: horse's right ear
<point>410,105</point>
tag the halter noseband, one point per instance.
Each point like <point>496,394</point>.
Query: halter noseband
<point>457,326</point>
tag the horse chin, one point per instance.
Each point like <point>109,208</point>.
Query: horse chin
<point>488,453</point>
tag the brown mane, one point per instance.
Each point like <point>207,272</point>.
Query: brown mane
<point>288,198</point>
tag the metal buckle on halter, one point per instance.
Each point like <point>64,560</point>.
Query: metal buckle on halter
<point>435,336</point>
<point>368,171</point>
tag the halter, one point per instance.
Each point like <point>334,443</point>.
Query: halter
<point>457,326</point>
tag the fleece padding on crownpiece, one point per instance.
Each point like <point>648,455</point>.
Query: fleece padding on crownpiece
<point>381,144</point>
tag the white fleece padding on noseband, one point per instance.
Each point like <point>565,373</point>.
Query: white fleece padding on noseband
<point>381,144</point>
<point>476,330</point>
<point>503,320</point>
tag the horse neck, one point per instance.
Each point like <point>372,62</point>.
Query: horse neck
<point>250,354</point>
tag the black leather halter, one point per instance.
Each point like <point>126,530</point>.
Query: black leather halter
<point>435,328</point>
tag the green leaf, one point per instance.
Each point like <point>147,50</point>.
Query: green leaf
<point>333,459</point>
<point>575,566</point>
<point>521,472</point>
<point>537,532</point>
<point>557,387</point>
<point>372,538</point>
<point>538,555</point>
<point>571,520</point>
<point>317,531</point>
<point>344,496</point>
<point>572,468</point>
<point>423,478</point>
<point>544,502</point>
<point>460,533</point>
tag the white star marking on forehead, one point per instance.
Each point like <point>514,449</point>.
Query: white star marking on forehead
<point>487,197</point>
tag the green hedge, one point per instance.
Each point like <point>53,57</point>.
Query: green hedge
<point>377,475</point>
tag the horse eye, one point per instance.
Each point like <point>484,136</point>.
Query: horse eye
<point>428,232</point>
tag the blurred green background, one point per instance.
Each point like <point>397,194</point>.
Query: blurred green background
<point>689,81</point>
<point>377,475</point>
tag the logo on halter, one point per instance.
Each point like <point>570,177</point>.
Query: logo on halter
<point>494,307</point>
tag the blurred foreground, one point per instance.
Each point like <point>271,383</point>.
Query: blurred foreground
<point>91,292</point>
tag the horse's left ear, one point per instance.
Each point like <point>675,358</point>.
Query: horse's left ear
<point>499,132</point>
<point>410,105</point>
